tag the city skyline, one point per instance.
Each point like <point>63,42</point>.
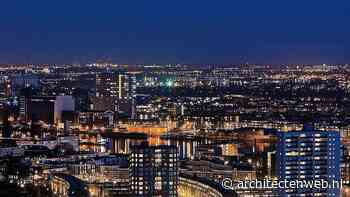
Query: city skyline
<point>103,130</point>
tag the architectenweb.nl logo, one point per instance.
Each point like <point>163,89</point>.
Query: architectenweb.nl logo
<point>265,184</point>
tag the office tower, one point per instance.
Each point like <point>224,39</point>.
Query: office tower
<point>106,84</point>
<point>4,121</point>
<point>309,155</point>
<point>153,170</point>
<point>22,106</point>
<point>115,91</point>
<point>126,86</point>
<point>103,104</point>
<point>63,105</point>
<point>40,108</point>
<point>8,88</point>
<point>121,85</point>
<point>48,109</point>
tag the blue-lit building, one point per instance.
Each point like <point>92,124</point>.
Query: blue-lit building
<point>309,155</point>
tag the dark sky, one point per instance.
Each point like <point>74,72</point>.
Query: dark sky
<point>178,31</point>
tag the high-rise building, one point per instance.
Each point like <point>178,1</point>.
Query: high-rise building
<point>115,84</point>
<point>6,89</point>
<point>47,108</point>
<point>63,104</point>
<point>153,170</point>
<point>4,121</point>
<point>118,86</point>
<point>309,155</point>
<point>40,108</point>
<point>106,84</point>
<point>103,103</point>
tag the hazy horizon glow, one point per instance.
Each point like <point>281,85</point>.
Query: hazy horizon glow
<point>198,32</point>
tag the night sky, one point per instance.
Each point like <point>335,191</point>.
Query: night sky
<point>191,31</point>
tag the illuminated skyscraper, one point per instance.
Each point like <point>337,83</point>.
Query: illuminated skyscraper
<point>153,170</point>
<point>121,87</point>
<point>115,84</point>
<point>309,155</point>
<point>106,85</point>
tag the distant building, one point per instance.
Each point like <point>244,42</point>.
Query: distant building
<point>71,140</point>
<point>120,87</point>
<point>40,108</point>
<point>25,80</point>
<point>103,103</point>
<point>96,118</point>
<point>8,89</point>
<point>208,151</point>
<point>48,109</point>
<point>106,84</point>
<point>4,122</point>
<point>63,105</point>
<point>309,155</point>
<point>153,170</point>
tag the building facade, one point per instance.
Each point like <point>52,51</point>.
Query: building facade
<point>118,86</point>
<point>48,109</point>
<point>309,155</point>
<point>153,170</point>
